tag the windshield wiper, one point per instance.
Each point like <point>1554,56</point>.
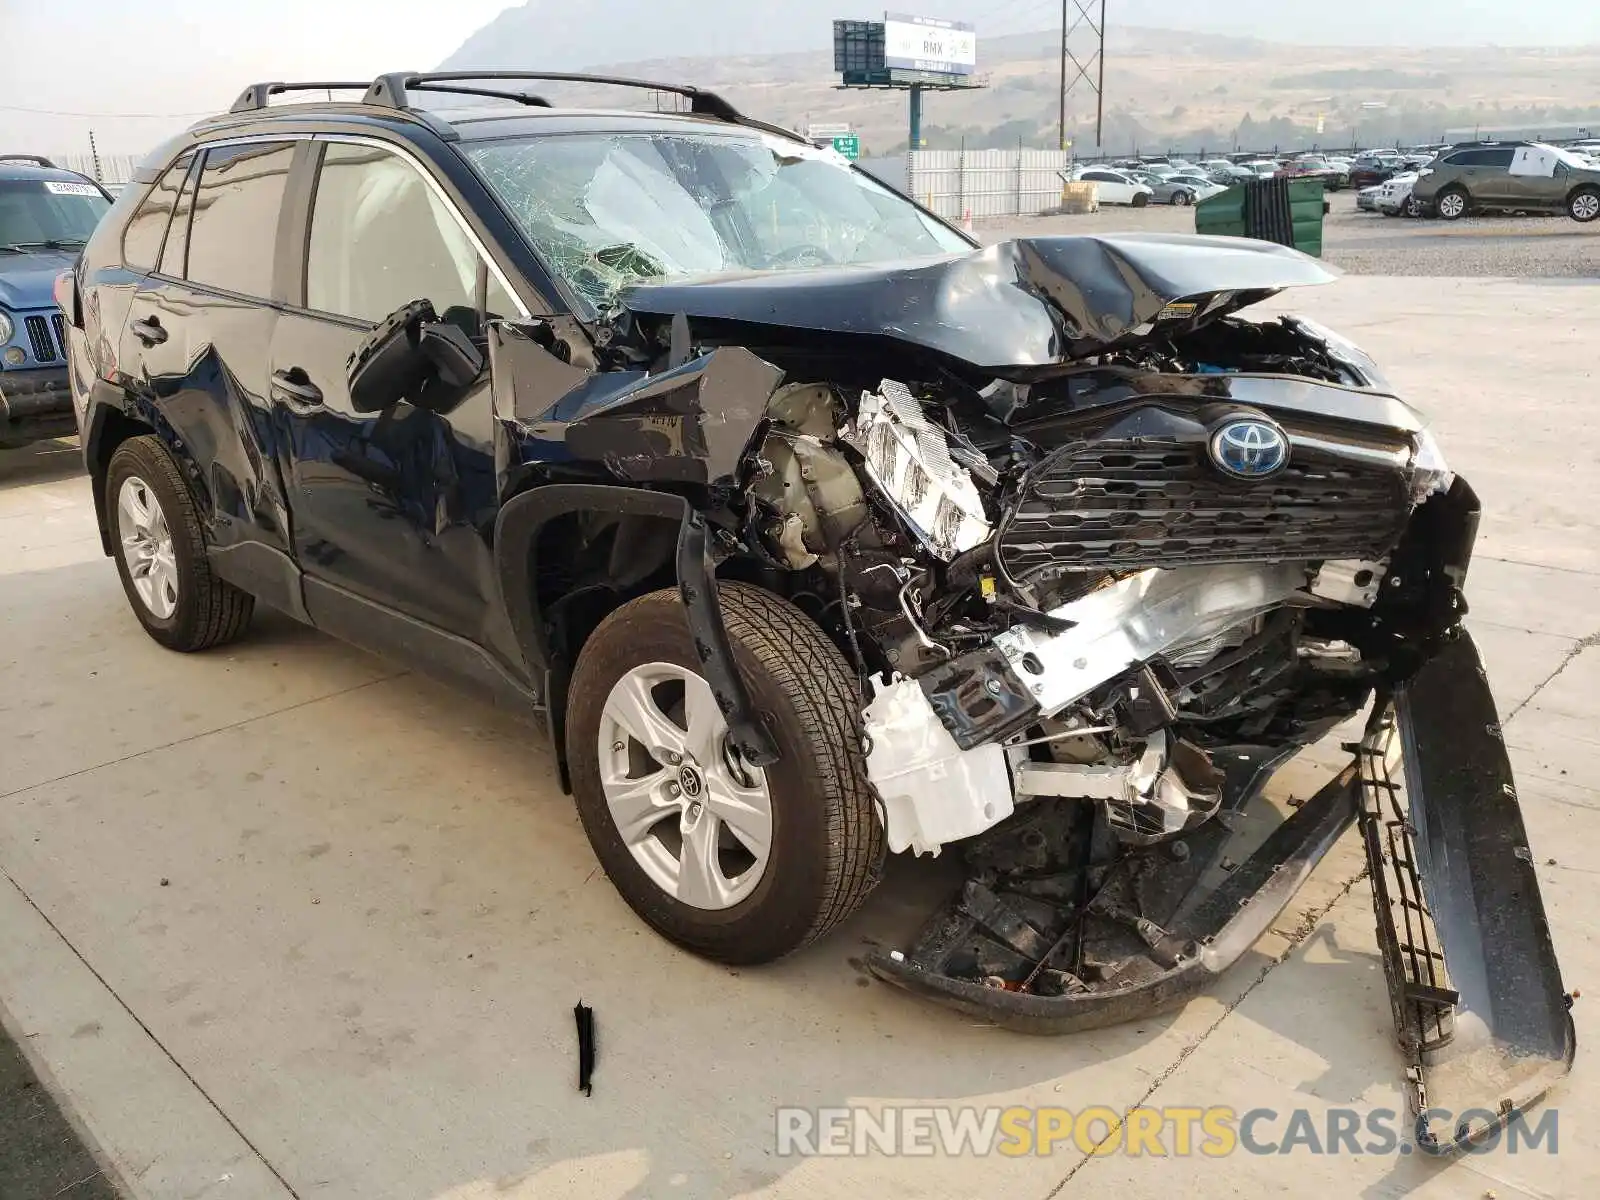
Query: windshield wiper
<point>47,244</point>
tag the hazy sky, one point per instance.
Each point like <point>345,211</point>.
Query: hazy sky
<point>184,57</point>
<point>194,56</point>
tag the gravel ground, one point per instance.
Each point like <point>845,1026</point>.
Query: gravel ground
<point>1370,244</point>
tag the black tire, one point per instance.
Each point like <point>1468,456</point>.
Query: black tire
<point>1413,207</point>
<point>1141,200</point>
<point>827,842</point>
<point>208,611</point>
<point>1183,199</point>
<point>1444,203</point>
<point>1584,204</point>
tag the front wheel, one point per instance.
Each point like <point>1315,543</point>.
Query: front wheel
<point>1140,201</point>
<point>740,864</point>
<point>1584,204</point>
<point>1182,199</point>
<point>1413,207</point>
<point>161,552</point>
<point>1452,204</point>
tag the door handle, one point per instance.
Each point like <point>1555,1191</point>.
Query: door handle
<point>294,388</point>
<point>149,331</point>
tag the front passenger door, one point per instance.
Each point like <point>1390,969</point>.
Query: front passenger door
<point>393,508</point>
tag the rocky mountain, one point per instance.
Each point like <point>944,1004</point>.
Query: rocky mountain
<point>1164,88</point>
<point>558,35</point>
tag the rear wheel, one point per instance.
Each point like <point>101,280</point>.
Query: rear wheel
<point>1453,203</point>
<point>161,553</point>
<point>1584,204</point>
<point>730,861</point>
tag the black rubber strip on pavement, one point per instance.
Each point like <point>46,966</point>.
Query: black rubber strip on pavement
<point>41,1155</point>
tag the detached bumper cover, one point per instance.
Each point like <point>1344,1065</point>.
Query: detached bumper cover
<point>35,404</point>
<point>1483,1018</point>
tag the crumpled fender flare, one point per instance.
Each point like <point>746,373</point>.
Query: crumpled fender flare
<point>516,539</point>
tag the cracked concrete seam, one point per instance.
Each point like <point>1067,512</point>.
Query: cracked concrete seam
<point>1295,942</point>
<point>1577,648</point>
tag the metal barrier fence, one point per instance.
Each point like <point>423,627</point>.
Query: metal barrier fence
<point>987,183</point>
<point>107,168</point>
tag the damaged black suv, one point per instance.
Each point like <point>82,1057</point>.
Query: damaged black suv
<point>815,531</point>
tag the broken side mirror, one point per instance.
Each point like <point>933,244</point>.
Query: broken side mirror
<point>413,355</point>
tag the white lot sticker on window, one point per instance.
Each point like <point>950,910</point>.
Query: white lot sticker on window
<point>57,188</point>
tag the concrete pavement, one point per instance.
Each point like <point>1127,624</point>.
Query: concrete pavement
<point>284,920</point>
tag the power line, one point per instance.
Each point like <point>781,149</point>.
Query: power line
<point>51,112</point>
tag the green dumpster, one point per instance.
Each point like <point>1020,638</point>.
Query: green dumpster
<point>1285,211</point>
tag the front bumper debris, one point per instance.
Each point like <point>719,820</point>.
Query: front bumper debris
<point>34,405</point>
<point>1051,934</point>
<point>1115,943</point>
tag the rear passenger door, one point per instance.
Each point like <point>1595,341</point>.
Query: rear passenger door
<point>1493,182</point>
<point>196,342</point>
<point>392,509</point>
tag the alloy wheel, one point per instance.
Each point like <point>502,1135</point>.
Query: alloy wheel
<point>1452,205</point>
<point>695,817</point>
<point>1586,207</point>
<point>147,547</point>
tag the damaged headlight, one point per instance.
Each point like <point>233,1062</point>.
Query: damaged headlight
<point>1430,474</point>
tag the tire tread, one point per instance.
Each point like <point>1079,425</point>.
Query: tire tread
<point>222,612</point>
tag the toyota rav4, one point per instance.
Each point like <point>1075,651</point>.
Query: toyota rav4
<point>815,531</point>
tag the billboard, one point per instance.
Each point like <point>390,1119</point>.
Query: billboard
<point>925,44</point>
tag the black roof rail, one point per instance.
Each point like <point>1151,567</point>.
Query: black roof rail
<point>527,98</point>
<point>390,91</point>
<point>37,160</point>
<point>257,95</point>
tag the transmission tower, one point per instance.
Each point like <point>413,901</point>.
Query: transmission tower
<point>1083,58</point>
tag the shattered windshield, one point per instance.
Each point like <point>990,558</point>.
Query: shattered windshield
<point>607,210</point>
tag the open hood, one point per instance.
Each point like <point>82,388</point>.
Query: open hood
<point>1015,309</point>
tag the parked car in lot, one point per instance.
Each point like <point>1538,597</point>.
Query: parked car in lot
<point>1370,169</point>
<point>1367,198</point>
<point>1228,174</point>
<point>1264,168</point>
<point>1395,196</point>
<point>46,216</point>
<point>1115,187</point>
<point>1187,190</point>
<point>1181,190</point>
<point>814,531</point>
<point>1332,175</point>
<point>1510,176</point>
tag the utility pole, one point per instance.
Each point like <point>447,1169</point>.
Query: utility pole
<point>94,155</point>
<point>1083,46</point>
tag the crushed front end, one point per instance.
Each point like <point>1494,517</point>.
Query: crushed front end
<point>1105,556</point>
<point>1096,618</point>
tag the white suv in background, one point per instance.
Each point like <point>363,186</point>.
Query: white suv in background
<point>1113,187</point>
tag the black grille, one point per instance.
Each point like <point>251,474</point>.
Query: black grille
<point>44,347</point>
<point>59,323</point>
<point>1129,505</point>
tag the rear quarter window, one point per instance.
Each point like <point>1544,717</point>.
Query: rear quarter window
<point>233,235</point>
<point>141,240</point>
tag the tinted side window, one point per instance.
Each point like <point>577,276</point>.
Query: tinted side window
<point>1101,177</point>
<point>1499,158</point>
<point>381,238</point>
<point>234,233</point>
<point>175,254</point>
<point>141,240</point>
